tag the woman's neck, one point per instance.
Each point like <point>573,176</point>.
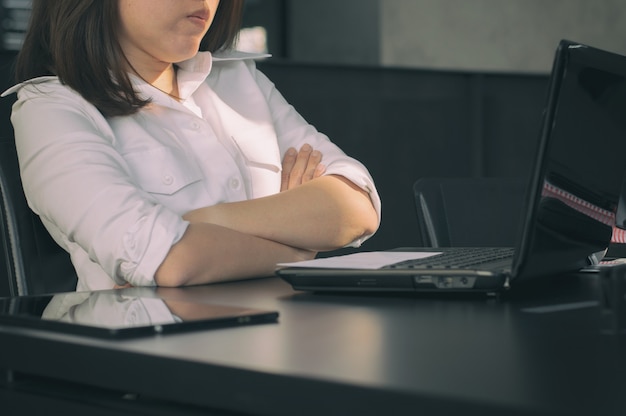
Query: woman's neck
<point>166,81</point>
<point>163,79</point>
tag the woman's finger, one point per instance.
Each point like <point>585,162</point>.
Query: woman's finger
<point>289,160</point>
<point>312,164</point>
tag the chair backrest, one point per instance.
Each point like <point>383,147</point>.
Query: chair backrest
<point>32,261</point>
<point>469,212</point>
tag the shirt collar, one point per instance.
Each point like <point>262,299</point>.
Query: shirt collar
<point>193,72</point>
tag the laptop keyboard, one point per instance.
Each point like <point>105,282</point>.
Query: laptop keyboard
<point>458,258</point>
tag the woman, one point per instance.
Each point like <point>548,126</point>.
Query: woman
<point>153,163</point>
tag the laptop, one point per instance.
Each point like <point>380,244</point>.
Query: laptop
<point>572,198</point>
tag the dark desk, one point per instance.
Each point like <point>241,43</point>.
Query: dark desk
<point>339,355</point>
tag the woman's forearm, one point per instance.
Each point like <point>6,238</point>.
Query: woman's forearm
<point>323,214</point>
<point>210,253</point>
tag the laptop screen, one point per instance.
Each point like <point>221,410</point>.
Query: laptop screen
<point>581,163</point>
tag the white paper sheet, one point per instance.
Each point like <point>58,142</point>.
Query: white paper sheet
<point>363,260</point>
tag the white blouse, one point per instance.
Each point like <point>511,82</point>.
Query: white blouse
<point>112,191</point>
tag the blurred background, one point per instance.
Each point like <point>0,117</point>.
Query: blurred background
<point>485,35</point>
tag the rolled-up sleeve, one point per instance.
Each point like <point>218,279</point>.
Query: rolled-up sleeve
<point>81,186</point>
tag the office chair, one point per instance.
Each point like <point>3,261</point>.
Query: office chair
<point>32,261</point>
<point>469,212</point>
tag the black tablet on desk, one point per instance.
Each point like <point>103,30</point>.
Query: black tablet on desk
<point>123,313</point>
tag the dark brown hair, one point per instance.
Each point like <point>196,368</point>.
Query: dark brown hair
<point>76,40</point>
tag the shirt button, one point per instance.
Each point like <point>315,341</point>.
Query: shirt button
<point>168,179</point>
<point>195,125</point>
<point>235,183</point>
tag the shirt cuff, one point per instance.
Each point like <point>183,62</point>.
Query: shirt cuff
<point>156,239</point>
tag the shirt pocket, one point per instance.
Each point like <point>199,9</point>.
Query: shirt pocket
<point>162,170</point>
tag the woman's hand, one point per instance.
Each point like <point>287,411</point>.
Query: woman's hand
<point>300,167</point>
